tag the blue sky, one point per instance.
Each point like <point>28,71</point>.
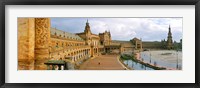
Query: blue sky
<point>148,29</point>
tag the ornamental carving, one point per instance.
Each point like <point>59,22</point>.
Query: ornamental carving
<point>42,32</point>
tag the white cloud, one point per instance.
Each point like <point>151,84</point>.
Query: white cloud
<point>149,29</point>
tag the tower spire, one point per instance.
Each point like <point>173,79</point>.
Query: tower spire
<point>169,39</point>
<point>87,27</point>
<point>87,23</point>
<point>169,33</point>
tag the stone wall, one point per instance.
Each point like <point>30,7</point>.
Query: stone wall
<point>33,43</point>
<point>26,43</point>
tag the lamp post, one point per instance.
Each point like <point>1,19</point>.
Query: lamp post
<point>177,59</point>
<point>150,56</point>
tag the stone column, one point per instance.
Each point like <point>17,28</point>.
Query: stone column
<point>72,58</point>
<point>78,56</point>
<point>92,51</point>
<point>26,43</point>
<point>89,52</point>
<point>75,58</point>
<point>97,50</point>
<point>42,39</point>
<point>82,53</point>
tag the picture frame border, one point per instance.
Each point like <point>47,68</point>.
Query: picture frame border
<point>99,2</point>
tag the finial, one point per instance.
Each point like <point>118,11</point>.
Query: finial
<point>87,20</point>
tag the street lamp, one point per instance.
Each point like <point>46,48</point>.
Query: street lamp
<point>177,59</point>
<point>150,56</point>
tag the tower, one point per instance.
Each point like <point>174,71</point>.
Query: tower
<point>87,28</point>
<point>169,39</point>
<point>87,33</point>
<point>109,37</point>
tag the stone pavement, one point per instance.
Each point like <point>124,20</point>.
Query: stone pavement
<point>103,62</point>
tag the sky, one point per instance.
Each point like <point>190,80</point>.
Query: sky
<point>147,29</point>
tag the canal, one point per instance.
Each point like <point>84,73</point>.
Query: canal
<point>169,59</point>
<point>136,65</point>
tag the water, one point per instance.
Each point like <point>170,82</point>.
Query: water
<point>168,61</point>
<point>136,66</point>
<point>159,58</point>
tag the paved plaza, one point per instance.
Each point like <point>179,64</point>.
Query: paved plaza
<point>103,62</point>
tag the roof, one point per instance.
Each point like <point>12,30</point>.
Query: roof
<point>119,41</point>
<point>136,39</point>
<point>65,34</point>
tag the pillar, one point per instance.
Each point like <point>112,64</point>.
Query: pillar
<point>97,50</point>
<point>26,42</point>
<point>92,51</point>
<point>42,40</point>
<point>72,58</point>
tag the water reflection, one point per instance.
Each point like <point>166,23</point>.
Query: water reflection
<point>136,66</point>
